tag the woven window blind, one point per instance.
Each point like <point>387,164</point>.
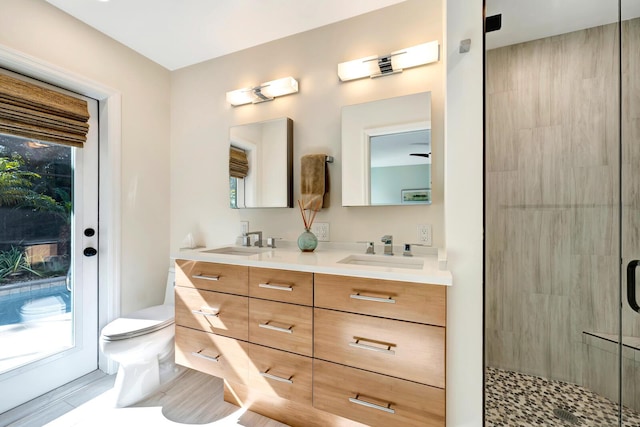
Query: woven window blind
<point>32,111</point>
<point>238,163</point>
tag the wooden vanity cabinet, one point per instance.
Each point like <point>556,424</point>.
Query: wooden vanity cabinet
<point>315,350</point>
<point>281,337</point>
<point>231,279</point>
<point>280,325</point>
<point>212,354</point>
<point>295,287</point>
<point>211,306</point>
<point>280,374</point>
<point>215,312</point>
<point>413,302</point>
<point>385,340</point>
<point>374,399</point>
<point>411,351</point>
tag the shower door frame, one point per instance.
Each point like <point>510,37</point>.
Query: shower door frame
<point>629,253</point>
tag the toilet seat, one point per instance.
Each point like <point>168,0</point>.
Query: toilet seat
<point>139,323</point>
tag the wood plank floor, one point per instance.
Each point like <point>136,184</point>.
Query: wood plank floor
<point>58,402</point>
<point>191,398</point>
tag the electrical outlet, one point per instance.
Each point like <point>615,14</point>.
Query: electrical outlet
<point>321,230</point>
<point>244,227</point>
<point>424,234</point>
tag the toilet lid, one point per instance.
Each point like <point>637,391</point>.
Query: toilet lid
<point>138,323</point>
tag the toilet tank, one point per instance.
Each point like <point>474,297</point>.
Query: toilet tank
<point>171,282</point>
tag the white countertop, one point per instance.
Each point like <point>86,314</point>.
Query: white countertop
<point>325,259</point>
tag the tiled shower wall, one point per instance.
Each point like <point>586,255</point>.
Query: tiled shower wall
<point>552,217</point>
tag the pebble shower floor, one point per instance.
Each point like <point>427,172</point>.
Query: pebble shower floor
<point>518,400</point>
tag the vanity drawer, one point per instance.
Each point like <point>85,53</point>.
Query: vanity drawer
<point>280,374</point>
<point>212,354</point>
<point>215,312</point>
<point>232,279</point>
<point>295,287</point>
<point>406,350</point>
<point>414,302</point>
<point>285,326</point>
<point>374,399</point>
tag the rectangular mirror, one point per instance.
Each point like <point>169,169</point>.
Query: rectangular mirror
<point>261,164</point>
<point>386,152</point>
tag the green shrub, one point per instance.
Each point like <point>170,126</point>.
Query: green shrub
<point>14,261</point>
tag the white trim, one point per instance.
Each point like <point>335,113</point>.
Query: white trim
<point>109,217</point>
<point>110,118</point>
<point>463,198</point>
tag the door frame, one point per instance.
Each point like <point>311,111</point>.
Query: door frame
<point>110,136</point>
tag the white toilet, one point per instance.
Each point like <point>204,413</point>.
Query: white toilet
<point>143,344</point>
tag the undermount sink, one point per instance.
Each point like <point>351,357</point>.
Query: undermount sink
<point>236,250</point>
<point>384,261</point>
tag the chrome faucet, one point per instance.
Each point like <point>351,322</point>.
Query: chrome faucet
<point>371,250</point>
<point>387,239</point>
<point>246,238</point>
<point>271,242</point>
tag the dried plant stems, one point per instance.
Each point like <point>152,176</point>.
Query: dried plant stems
<point>304,217</point>
<point>308,219</point>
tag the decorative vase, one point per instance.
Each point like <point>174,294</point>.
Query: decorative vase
<point>307,241</point>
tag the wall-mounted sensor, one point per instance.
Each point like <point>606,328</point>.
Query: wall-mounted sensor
<point>492,23</point>
<point>465,45</point>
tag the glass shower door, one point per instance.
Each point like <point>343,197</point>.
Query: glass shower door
<point>630,218</point>
<point>554,329</point>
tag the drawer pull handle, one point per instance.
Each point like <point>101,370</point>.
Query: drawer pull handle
<point>207,311</point>
<point>288,330</point>
<point>372,405</point>
<point>371,347</point>
<point>375,299</point>
<point>205,357</point>
<point>205,277</point>
<point>287,288</point>
<point>266,374</point>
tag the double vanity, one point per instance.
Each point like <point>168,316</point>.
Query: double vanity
<point>329,338</point>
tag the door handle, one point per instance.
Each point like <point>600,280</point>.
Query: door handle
<point>631,285</point>
<point>89,252</point>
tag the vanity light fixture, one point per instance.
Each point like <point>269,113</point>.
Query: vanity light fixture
<point>264,92</point>
<point>394,62</point>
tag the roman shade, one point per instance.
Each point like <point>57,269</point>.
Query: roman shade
<point>238,163</point>
<point>31,111</point>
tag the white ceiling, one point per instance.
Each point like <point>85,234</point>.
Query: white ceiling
<point>178,33</point>
<point>395,149</point>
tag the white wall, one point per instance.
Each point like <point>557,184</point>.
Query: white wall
<point>463,201</point>
<point>389,182</point>
<point>39,30</point>
<point>200,121</point>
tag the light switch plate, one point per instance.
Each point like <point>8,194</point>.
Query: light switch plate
<point>244,227</point>
<point>321,230</point>
<point>424,234</point>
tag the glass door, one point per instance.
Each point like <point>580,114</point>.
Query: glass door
<point>48,264</point>
<point>556,220</point>
<point>630,219</point>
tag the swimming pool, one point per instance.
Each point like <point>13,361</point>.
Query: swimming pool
<point>34,303</point>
